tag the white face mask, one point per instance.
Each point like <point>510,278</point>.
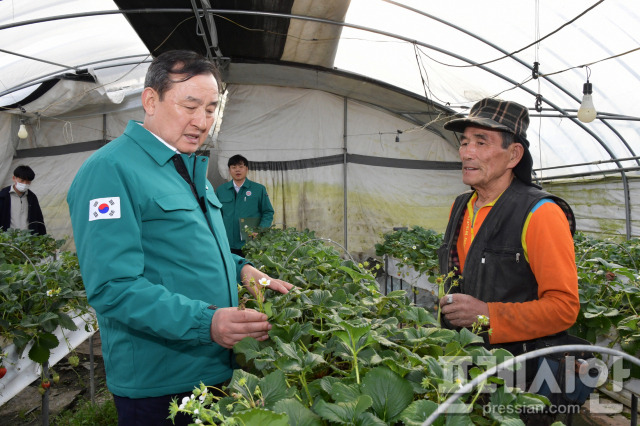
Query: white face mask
<point>22,187</point>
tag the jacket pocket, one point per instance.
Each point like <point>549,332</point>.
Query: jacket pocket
<point>225,197</point>
<point>170,207</point>
<point>173,202</point>
<point>213,200</point>
<point>505,274</point>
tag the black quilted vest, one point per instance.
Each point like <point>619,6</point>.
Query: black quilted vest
<point>495,268</point>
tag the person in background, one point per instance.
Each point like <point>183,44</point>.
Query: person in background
<point>19,207</point>
<point>508,242</point>
<point>244,203</point>
<point>153,250</point>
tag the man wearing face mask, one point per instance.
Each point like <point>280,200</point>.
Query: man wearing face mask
<point>19,207</point>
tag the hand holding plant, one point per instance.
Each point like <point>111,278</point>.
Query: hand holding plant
<point>257,290</point>
<point>257,283</point>
<point>441,281</point>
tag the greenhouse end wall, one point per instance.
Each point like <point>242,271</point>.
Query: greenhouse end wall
<point>599,205</point>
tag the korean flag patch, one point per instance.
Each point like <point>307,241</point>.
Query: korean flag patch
<point>104,208</point>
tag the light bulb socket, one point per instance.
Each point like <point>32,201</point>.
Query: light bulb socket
<point>587,88</point>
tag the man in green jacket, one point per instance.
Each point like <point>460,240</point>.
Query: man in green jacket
<point>244,203</point>
<point>153,253</point>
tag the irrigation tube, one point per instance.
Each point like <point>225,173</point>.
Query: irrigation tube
<point>28,259</point>
<point>520,358</point>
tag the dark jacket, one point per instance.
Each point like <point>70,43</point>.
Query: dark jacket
<point>34,214</point>
<point>495,267</point>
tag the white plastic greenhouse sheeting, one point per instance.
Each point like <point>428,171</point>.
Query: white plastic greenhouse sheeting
<point>598,34</point>
<point>269,123</point>
<point>55,173</point>
<point>22,371</point>
<point>603,38</point>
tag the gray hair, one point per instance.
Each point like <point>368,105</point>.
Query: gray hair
<point>186,62</point>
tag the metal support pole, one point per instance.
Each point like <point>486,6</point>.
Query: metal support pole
<point>92,384</point>
<point>634,409</point>
<point>104,128</point>
<point>344,167</point>
<point>386,274</point>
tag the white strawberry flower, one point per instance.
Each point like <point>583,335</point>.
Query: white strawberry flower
<point>264,282</point>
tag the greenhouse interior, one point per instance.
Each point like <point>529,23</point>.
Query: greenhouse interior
<point>341,109</point>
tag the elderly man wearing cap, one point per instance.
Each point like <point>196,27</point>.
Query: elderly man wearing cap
<point>509,242</point>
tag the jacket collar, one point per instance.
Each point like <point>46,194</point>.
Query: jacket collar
<point>148,142</point>
<point>246,184</point>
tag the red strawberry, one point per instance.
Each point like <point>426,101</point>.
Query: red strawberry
<point>45,384</point>
<point>3,371</point>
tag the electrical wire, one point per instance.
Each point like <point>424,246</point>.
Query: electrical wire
<point>591,63</point>
<point>537,62</point>
<point>172,31</point>
<point>508,55</point>
<point>417,50</point>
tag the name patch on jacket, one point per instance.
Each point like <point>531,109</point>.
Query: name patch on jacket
<point>104,208</point>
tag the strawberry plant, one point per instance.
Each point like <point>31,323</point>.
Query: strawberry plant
<point>416,247</point>
<point>342,352</point>
<point>40,290</point>
<point>609,288</point>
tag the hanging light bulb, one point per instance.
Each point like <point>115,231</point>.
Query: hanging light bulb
<point>22,132</point>
<point>587,112</point>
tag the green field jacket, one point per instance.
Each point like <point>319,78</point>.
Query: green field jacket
<point>251,201</point>
<point>152,263</point>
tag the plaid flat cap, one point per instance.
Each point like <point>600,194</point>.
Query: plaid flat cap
<point>495,114</point>
<point>505,116</point>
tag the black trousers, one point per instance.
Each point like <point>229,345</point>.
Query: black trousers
<point>237,251</point>
<point>149,411</point>
<point>154,411</point>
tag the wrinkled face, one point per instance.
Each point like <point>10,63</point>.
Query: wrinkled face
<point>238,172</point>
<point>185,114</point>
<point>484,160</point>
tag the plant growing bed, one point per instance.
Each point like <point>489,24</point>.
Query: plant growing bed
<point>44,312</point>
<point>410,256</point>
<point>342,352</point>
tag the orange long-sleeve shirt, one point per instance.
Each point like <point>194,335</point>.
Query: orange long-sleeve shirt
<point>549,249</point>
